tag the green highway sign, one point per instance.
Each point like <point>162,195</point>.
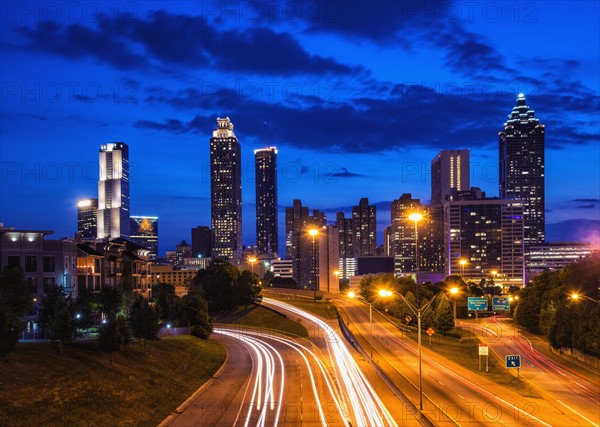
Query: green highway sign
<point>500,303</point>
<point>477,304</point>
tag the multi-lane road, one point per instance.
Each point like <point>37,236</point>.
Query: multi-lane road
<point>270,379</point>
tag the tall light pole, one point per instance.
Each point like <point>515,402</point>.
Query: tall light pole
<point>416,217</point>
<point>454,291</point>
<point>382,293</point>
<point>462,263</point>
<point>418,311</point>
<point>252,260</point>
<point>313,233</point>
<point>575,296</point>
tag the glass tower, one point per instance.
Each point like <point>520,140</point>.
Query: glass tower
<point>266,201</point>
<point>113,191</point>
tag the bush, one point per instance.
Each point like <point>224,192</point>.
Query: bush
<point>200,331</point>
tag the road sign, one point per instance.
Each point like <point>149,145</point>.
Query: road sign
<point>477,304</point>
<point>513,361</point>
<point>483,350</point>
<point>430,331</point>
<point>500,303</point>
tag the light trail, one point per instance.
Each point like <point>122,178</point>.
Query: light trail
<point>367,408</point>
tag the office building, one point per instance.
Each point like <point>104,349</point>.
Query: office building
<point>202,241</point>
<point>521,168</point>
<point>402,235</point>
<point>347,265</point>
<point>487,235</point>
<point>328,264</point>
<point>87,216</point>
<point>364,223</point>
<point>113,191</point>
<point>226,192</point>
<point>144,232</point>
<point>450,172</point>
<point>267,234</point>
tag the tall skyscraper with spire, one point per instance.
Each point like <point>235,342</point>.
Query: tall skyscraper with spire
<point>113,191</point>
<point>266,201</point>
<point>521,168</point>
<point>226,191</point>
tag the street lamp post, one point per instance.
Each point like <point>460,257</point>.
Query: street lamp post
<point>382,293</point>
<point>462,263</point>
<point>418,311</point>
<point>454,291</point>
<point>416,217</point>
<point>314,232</point>
<point>575,296</point>
<point>252,260</point>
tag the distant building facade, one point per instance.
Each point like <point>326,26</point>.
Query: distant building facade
<point>450,172</point>
<point>329,256</point>
<point>202,241</point>
<point>144,232</point>
<point>267,234</point>
<point>226,192</point>
<point>87,217</point>
<point>113,191</point>
<point>347,263</point>
<point>364,224</point>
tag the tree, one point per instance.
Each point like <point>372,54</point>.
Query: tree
<point>216,284</point>
<point>114,336</point>
<point>111,301</point>
<point>164,297</point>
<point>87,307</point>
<point>247,289</point>
<point>61,327</point>
<point>193,312</point>
<point>144,320</point>
<point>427,316</point>
<point>444,318</point>
<point>15,302</point>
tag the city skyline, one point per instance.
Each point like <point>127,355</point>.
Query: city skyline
<point>337,117</point>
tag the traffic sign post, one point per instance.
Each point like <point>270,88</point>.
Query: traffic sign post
<point>484,350</point>
<point>514,361</point>
<point>477,304</point>
<point>430,332</point>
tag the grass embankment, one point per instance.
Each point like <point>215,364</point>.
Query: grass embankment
<point>322,308</point>
<point>83,388</point>
<point>261,317</point>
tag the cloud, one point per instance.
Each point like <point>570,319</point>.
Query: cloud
<point>167,40</point>
<point>345,174</point>
<point>587,200</point>
<point>586,206</point>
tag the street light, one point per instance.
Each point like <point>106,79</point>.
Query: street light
<point>462,263</point>
<point>416,217</point>
<point>382,293</point>
<point>575,296</point>
<point>252,260</point>
<point>417,311</point>
<point>454,291</point>
<point>314,232</point>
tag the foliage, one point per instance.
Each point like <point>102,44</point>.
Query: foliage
<point>15,302</point>
<point>114,336</point>
<point>61,326</point>
<point>48,305</point>
<point>164,297</point>
<point>144,320</point>
<point>111,301</point>
<point>200,332</point>
<point>216,284</point>
<point>283,282</point>
<point>444,318</point>
<point>545,307</point>
<point>87,306</point>
<point>247,289</point>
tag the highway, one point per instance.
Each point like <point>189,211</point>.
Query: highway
<point>268,380</point>
<point>453,395</point>
<point>570,388</point>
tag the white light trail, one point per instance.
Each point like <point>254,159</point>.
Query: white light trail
<point>367,407</point>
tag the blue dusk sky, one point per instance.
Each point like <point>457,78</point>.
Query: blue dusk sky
<point>358,97</point>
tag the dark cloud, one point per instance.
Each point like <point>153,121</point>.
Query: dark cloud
<point>167,40</point>
<point>586,206</point>
<point>587,200</point>
<point>345,173</point>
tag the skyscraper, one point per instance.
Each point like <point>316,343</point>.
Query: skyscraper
<point>450,172</point>
<point>113,191</point>
<point>347,261</point>
<point>521,168</point>
<point>87,217</point>
<point>201,242</point>
<point>144,232</point>
<point>266,201</point>
<point>226,191</point>
<point>364,222</point>
<point>402,236</point>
